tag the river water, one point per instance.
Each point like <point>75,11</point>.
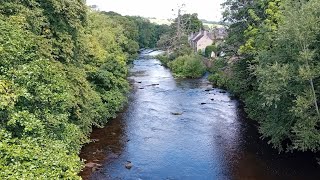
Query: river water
<point>185,129</point>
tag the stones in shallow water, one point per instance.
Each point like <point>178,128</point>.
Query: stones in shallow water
<point>209,89</point>
<point>90,164</point>
<point>203,103</point>
<point>112,156</point>
<point>94,169</point>
<point>154,85</point>
<point>176,113</point>
<point>141,88</point>
<point>95,140</point>
<point>232,97</point>
<point>128,165</point>
<point>97,151</point>
<point>223,92</point>
<point>94,166</point>
<point>212,99</point>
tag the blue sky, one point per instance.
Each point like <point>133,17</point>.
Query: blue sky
<point>206,9</point>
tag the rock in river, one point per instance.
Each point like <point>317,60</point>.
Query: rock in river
<point>128,165</point>
<point>176,113</point>
<point>94,166</point>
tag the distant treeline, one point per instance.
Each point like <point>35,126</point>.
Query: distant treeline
<point>211,22</point>
<point>142,31</point>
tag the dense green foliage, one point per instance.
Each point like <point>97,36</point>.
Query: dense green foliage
<point>217,72</point>
<point>140,31</point>
<point>63,70</point>
<point>164,59</point>
<point>272,64</point>
<point>175,37</point>
<point>209,49</point>
<point>149,33</point>
<point>189,23</point>
<point>189,66</point>
<point>130,30</point>
<point>180,57</point>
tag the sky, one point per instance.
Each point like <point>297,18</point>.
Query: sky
<point>162,9</point>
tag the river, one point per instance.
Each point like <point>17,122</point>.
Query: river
<point>185,129</point>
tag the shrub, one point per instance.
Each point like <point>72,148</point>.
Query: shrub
<point>188,66</point>
<point>209,50</point>
<point>164,59</point>
<point>218,76</point>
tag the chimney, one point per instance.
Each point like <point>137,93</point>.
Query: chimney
<point>191,36</point>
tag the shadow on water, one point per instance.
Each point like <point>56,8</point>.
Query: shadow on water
<point>256,159</point>
<point>107,144</point>
<point>185,129</point>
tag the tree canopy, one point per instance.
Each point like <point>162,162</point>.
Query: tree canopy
<point>272,64</point>
<point>63,70</point>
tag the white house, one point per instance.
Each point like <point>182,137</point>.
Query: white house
<point>200,40</point>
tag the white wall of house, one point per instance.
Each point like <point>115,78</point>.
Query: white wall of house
<point>203,43</point>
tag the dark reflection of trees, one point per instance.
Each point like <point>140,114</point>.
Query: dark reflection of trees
<point>192,83</point>
<point>107,143</point>
<point>255,159</point>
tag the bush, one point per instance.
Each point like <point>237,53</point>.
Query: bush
<point>218,79</point>
<point>36,158</point>
<point>209,50</point>
<point>164,59</point>
<point>218,76</point>
<point>188,66</point>
<point>218,65</point>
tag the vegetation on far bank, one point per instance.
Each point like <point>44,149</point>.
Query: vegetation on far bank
<point>180,57</point>
<point>272,64</point>
<point>189,66</point>
<point>184,64</point>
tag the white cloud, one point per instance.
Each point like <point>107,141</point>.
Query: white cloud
<point>206,9</point>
